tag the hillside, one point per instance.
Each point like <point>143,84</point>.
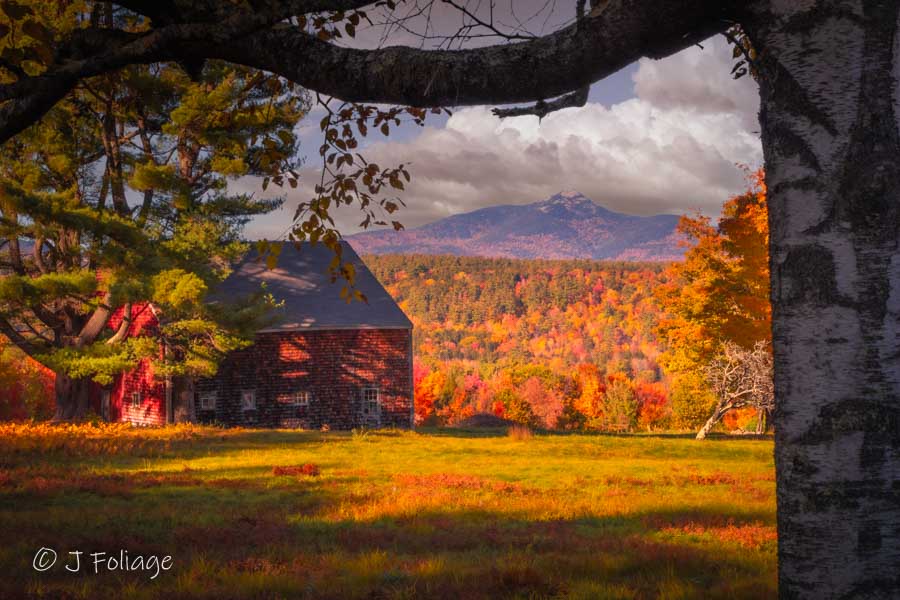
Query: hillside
<point>551,312</point>
<point>567,225</point>
<point>494,334</point>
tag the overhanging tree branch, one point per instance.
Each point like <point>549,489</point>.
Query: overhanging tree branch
<point>547,67</point>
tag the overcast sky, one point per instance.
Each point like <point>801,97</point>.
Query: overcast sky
<point>659,137</point>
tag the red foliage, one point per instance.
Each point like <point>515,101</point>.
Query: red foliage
<point>653,405</point>
<point>498,409</point>
<point>308,469</point>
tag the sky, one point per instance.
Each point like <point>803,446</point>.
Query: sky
<point>664,136</point>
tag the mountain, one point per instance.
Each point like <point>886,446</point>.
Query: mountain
<point>567,225</point>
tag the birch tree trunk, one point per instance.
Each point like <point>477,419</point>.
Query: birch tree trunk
<point>710,423</point>
<point>829,117</point>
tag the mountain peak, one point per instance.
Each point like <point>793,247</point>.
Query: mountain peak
<point>565,225</point>
<point>571,202</point>
<point>570,197</point>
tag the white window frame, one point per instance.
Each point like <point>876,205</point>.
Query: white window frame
<point>366,398</point>
<point>301,398</point>
<point>136,399</point>
<point>248,406</point>
<point>208,400</point>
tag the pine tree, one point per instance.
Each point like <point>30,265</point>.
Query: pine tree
<point>117,203</point>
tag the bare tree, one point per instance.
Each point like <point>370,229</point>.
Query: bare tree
<point>830,125</point>
<point>741,377</point>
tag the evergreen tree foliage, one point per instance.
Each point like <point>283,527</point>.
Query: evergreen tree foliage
<point>117,203</point>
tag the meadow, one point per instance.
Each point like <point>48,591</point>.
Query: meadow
<point>443,513</point>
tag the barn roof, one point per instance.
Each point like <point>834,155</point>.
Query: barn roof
<point>311,300</point>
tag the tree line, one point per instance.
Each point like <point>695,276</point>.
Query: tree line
<point>597,344</point>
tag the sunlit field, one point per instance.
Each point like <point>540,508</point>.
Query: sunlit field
<point>433,514</point>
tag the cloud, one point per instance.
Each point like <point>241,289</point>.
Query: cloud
<point>670,149</point>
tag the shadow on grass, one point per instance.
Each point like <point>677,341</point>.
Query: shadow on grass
<point>433,553</point>
<point>241,531</point>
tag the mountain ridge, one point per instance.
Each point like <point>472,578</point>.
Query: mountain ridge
<point>567,225</point>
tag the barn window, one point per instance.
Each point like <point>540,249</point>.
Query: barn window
<point>135,399</point>
<point>302,398</point>
<point>248,399</point>
<point>208,401</point>
<point>371,399</point>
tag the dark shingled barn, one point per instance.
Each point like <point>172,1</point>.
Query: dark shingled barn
<point>324,362</point>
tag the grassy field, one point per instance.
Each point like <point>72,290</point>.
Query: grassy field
<point>433,514</point>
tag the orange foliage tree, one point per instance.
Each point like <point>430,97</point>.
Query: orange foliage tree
<point>720,292</point>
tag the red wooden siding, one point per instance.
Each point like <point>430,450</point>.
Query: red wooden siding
<point>152,408</point>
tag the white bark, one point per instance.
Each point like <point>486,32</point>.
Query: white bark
<point>830,134</point>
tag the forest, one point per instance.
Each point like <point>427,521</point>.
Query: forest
<point>577,344</point>
<point>533,341</point>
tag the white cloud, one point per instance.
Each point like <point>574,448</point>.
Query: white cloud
<point>671,149</point>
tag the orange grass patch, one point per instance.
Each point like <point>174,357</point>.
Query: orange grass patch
<point>94,439</point>
<point>308,469</point>
<point>456,481</point>
<point>749,535</point>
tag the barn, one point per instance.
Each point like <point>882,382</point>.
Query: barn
<point>323,363</point>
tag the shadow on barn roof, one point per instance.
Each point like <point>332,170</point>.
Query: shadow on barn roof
<point>311,300</point>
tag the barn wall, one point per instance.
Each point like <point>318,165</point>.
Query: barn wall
<point>152,407</point>
<point>333,365</point>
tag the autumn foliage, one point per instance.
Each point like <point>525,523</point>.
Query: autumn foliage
<point>586,344</point>
<point>719,294</point>
<point>26,387</point>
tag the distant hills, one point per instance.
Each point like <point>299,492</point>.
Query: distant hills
<point>567,225</point>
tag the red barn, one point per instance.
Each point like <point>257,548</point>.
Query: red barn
<point>323,363</point>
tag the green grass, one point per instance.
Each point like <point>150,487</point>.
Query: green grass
<point>435,514</point>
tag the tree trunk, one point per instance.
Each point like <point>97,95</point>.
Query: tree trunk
<point>829,90</point>
<point>72,398</point>
<point>710,423</point>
